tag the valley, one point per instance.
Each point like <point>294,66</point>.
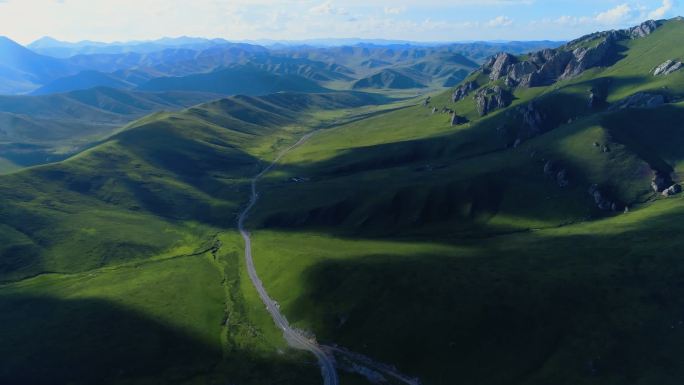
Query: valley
<point>211,212</point>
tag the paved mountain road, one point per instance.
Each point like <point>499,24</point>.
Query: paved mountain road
<point>294,338</point>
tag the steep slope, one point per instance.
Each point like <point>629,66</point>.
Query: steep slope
<point>22,70</point>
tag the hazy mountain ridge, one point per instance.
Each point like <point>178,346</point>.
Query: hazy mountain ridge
<point>189,56</point>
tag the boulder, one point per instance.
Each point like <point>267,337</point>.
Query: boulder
<point>427,101</point>
<point>462,91</point>
<point>492,98</point>
<point>660,182</point>
<point>667,68</point>
<point>457,120</point>
<point>672,190</point>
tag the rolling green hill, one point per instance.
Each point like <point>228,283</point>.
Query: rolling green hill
<point>514,230</point>
<point>104,237</point>
<point>47,128</point>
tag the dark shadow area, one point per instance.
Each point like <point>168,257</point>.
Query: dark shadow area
<point>50,341</point>
<point>518,309</point>
<point>90,341</point>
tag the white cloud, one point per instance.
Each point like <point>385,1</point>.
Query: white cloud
<point>660,12</point>
<point>327,8</point>
<point>395,10</point>
<point>499,21</point>
<point>615,15</point>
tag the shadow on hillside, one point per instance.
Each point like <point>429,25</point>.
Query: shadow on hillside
<point>519,309</point>
<point>90,341</point>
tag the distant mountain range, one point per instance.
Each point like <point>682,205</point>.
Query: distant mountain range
<point>50,66</point>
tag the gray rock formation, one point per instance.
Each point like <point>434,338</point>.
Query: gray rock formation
<point>547,66</point>
<point>463,90</point>
<point>457,120</point>
<point>672,190</point>
<point>492,98</point>
<point>660,182</point>
<point>644,29</point>
<point>427,101</point>
<point>640,100</point>
<point>500,65</point>
<point>532,119</point>
<point>667,68</point>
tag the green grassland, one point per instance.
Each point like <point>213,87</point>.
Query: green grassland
<point>445,251</point>
<point>105,237</point>
<point>450,253</point>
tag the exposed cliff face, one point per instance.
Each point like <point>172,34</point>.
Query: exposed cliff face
<point>547,66</point>
<point>492,98</point>
<point>463,91</point>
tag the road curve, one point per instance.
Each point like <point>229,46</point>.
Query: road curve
<point>294,338</point>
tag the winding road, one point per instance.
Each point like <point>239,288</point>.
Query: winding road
<point>294,338</point>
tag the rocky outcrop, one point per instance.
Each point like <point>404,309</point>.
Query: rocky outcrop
<point>660,182</point>
<point>500,65</point>
<point>427,101</point>
<point>547,66</point>
<point>550,65</point>
<point>640,100</point>
<point>462,91</point>
<point>533,121</point>
<point>672,190</point>
<point>602,201</point>
<point>644,29</point>
<point>667,68</point>
<point>492,98</point>
<point>457,120</point>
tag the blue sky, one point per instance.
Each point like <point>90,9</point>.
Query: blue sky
<point>422,20</point>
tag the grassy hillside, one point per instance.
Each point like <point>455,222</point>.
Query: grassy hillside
<point>108,236</point>
<point>482,267</point>
<point>48,128</point>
